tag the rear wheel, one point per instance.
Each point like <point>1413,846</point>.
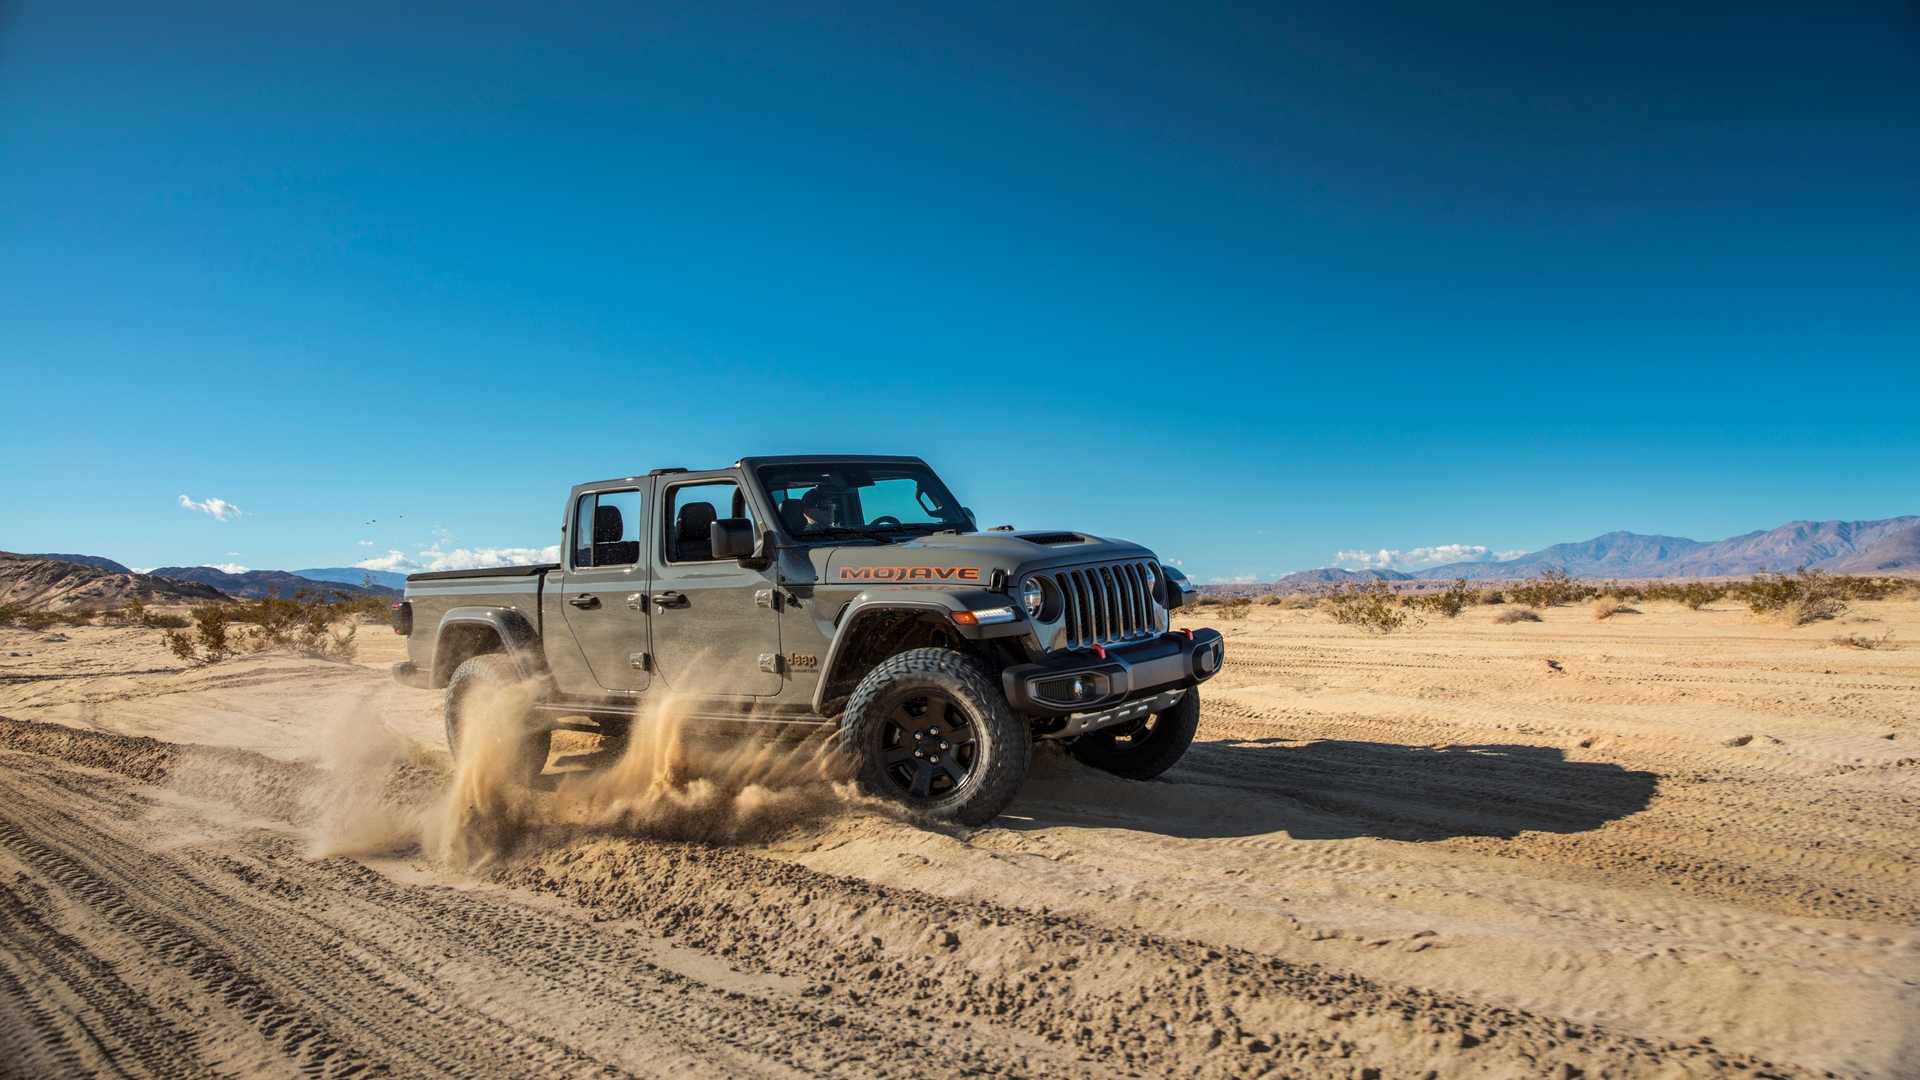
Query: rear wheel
<point>480,686</point>
<point>931,729</point>
<point>1149,747</point>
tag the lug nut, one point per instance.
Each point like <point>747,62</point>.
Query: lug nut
<point>935,759</point>
<point>944,746</point>
<point>919,753</point>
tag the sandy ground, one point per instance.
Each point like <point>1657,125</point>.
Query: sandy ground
<point>1686,846</point>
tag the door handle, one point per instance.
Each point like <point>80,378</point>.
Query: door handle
<point>584,601</point>
<point>669,599</point>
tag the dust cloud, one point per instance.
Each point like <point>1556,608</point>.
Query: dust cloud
<point>672,778</point>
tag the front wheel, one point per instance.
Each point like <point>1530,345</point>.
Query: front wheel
<point>486,713</point>
<point>1148,748</point>
<point>932,729</point>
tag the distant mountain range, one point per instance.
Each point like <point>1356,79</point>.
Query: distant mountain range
<point>67,582</point>
<point>97,561</point>
<point>256,584</point>
<point>353,575</point>
<point>1890,545</point>
<point>58,583</point>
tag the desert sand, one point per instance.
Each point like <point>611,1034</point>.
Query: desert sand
<point>1667,844</point>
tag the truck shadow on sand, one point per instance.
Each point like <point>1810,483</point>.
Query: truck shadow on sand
<point>1339,790</point>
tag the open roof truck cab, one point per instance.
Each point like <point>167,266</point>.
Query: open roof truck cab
<point>850,591</point>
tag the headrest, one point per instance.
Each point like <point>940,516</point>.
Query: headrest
<point>608,527</point>
<point>695,517</point>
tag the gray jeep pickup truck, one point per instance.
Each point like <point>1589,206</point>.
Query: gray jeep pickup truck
<point>852,591</point>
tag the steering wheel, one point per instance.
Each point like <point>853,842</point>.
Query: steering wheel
<point>885,519</point>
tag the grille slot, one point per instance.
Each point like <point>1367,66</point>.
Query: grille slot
<point>1105,604</point>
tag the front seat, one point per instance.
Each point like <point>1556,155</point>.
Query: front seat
<point>693,533</point>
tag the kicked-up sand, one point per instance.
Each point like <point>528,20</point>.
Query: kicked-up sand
<point>1671,843</point>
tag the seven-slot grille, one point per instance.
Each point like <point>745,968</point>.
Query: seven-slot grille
<point>1104,604</point>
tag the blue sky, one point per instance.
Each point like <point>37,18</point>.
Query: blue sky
<point>1253,284</point>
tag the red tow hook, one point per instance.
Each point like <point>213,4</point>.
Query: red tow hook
<point>1187,630</point>
<point>1100,651</point>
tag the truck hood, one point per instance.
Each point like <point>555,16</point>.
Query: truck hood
<point>948,557</point>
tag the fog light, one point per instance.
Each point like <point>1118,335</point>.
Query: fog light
<point>1082,686</point>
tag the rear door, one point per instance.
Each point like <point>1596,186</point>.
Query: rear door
<point>604,593</point>
<point>716,632</point>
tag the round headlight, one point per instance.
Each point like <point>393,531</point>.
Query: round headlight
<point>1034,596</point>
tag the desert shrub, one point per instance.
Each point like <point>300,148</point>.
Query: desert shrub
<point>26,618</point>
<point>1232,609</point>
<point>1608,607</point>
<point>1799,598</point>
<point>211,624</point>
<point>1862,641</point>
<point>179,643</point>
<point>77,618</point>
<point>1551,589</point>
<point>303,624</point>
<point>1514,615</point>
<point>1493,596</point>
<point>1272,599</point>
<point>1372,608</point>
<point>1449,602</point>
<point>1613,590</point>
<point>1865,588</point>
<point>1698,594</point>
<point>164,620</point>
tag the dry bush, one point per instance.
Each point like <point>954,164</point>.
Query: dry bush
<point>1862,641</point>
<point>1608,607</point>
<point>1372,607</point>
<point>304,625</point>
<point>1449,602</point>
<point>135,613</point>
<point>1800,598</point>
<point>179,643</point>
<point>1514,615</point>
<point>1551,589</point>
<point>1613,590</point>
<point>26,618</point>
<point>1233,609</point>
<point>1493,596</point>
<point>1866,588</point>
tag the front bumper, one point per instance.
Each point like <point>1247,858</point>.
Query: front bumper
<point>1084,681</point>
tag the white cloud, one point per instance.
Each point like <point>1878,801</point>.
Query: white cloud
<point>228,567</point>
<point>217,509</point>
<point>365,543</point>
<point>1237,579</point>
<point>439,557</point>
<point>1420,557</point>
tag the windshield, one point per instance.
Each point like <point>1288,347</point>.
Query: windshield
<point>836,498</point>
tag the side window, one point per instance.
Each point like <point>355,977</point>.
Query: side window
<point>606,529</point>
<point>691,508</point>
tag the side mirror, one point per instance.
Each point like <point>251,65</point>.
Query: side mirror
<point>732,538</point>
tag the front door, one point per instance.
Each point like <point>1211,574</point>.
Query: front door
<point>604,593</point>
<point>716,632</point>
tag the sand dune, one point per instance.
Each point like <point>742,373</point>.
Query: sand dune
<point>1687,850</point>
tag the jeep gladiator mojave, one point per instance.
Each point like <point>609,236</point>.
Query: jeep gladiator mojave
<point>851,591</point>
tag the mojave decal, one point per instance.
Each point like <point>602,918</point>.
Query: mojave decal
<point>910,573</point>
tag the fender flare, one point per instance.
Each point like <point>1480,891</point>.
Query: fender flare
<point>518,639</point>
<point>907,598</point>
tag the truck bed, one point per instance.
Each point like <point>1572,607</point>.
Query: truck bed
<point>494,571</point>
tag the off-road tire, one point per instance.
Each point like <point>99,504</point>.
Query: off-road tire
<point>527,757</point>
<point>1004,741</point>
<point>1145,755</point>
